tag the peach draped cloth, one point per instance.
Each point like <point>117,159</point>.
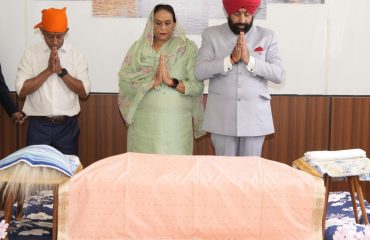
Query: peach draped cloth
<point>146,196</point>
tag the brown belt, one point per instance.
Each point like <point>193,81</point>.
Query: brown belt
<point>56,119</point>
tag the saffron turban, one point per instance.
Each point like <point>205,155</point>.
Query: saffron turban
<point>53,20</point>
<point>232,6</point>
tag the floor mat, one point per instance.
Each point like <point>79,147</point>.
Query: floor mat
<point>36,223</point>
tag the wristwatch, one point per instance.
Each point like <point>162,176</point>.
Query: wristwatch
<point>63,73</point>
<point>175,83</point>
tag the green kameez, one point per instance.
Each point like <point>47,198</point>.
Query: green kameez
<point>162,124</point>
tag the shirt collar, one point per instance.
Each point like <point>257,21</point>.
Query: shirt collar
<point>63,48</point>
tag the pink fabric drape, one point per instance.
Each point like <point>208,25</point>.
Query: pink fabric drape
<point>144,196</point>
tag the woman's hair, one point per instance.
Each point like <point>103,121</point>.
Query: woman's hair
<point>166,7</point>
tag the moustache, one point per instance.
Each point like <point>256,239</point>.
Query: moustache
<point>240,25</point>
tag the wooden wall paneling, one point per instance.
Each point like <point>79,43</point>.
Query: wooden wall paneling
<point>8,132</point>
<point>301,124</point>
<point>102,129</point>
<point>87,121</point>
<point>203,145</point>
<point>22,133</point>
<point>350,123</point>
<point>350,128</point>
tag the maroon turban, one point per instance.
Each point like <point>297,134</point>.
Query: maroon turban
<point>232,6</point>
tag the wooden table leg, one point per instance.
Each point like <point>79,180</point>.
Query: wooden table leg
<point>360,198</point>
<point>352,190</point>
<point>9,202</point>
<point>19,213</point>
<point>55,212</point>
<point>327,182</point>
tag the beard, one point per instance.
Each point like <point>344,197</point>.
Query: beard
<point>238,27</point>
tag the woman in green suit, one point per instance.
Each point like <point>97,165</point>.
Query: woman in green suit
<point>159,97</point>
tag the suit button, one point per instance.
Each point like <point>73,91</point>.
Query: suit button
<point>239,85</point>
<point>238,99</point>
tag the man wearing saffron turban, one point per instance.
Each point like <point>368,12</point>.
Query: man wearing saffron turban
<point>239,59</point>
<point>51,77</point>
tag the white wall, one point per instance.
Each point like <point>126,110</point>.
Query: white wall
<point>348,68</point>
<point>324,46</point>
<point>13,16</point>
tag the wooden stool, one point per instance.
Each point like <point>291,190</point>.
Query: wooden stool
<point>31,169</point>
<point>13,198</point>
<point>354,187</point>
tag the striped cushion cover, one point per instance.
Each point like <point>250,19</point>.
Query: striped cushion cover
<point>39,156</point>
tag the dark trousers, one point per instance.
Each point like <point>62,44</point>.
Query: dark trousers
<point>62,135</point>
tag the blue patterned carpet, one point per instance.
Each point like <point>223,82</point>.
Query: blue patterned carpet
<point>37,223</point>
<point>340,219</point>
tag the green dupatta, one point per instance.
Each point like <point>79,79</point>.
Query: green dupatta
<point>139,67</point>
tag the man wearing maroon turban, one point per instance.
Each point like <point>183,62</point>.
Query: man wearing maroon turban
<point>239,59</point>
<point>51,77</point>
